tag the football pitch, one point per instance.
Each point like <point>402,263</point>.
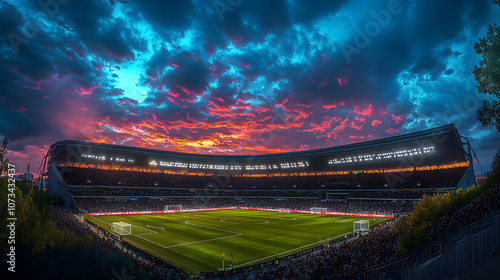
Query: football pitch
<point>194,241</point>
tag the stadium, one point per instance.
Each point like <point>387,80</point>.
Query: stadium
<point>250,140</point>
<point>212,215</point>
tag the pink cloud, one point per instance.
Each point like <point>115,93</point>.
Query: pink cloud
<point>391,130</point>
<point>397,119</point>
<point>356,126</point>
<point>376,123</point>
<point>86,91</point>
<point>20,110</point>
<point>365,111</point>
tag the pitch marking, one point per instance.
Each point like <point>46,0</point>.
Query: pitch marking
<point>150,231</point>
<point>266,221</point>
<point>155,227</point>
<point>200,241</point>
<point>285,252</point>
<point>183,244</point>
<point>288,218</point>
<point>341,221</point>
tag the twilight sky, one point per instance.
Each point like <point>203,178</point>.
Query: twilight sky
<point>237,76</point>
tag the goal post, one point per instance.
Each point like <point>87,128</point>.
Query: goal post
<point>173,208</point>
<point>318,209</point>
<point>121,228</point>
<point>361,226</point>
<point>284,210</point>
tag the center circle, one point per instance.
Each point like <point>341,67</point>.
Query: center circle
<point>250,221</point>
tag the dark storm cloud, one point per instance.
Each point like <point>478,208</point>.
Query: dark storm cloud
<point>308,11</point>
<point>177,75</point>
<point>101,34</point>
<point>165,14</point>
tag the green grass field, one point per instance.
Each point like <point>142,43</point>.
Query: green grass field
<point>195,241</point>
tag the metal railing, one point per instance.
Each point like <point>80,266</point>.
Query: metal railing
<point>447,258</point>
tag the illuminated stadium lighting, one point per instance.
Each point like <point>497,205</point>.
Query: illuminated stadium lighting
<point>208,166</point>
<point>94,157</point>
<point>297,164</point>
<point>204,166</point>
<point>379,156</point>
<point>173,164</point>
<point>103,157</point>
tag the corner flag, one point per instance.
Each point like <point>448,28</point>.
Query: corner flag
<point>222,254</point>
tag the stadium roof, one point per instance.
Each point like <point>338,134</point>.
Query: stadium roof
<point>440,145</point>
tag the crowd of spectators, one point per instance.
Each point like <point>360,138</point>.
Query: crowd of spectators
<point>403,194</point>
<point>94,205</point>
<point>175,192</point>
<point>347,260</point>
<point>351,259</point>
<point>487,203</point>
<point>63,219</point>
<point>442,178</point>
<point>355,193</point>
<point>118,190</point>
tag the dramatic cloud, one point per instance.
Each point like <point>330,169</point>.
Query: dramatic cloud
<point>237,77</point>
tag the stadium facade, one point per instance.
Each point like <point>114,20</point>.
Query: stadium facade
<point>432,149</point>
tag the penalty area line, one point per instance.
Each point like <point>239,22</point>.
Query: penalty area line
<point>285,252</point>
<point>235,234</point>
<point>155,227</point>
<point>341,221</point>
<point>150,231</point>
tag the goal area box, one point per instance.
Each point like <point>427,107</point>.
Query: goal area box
<point>361,226</point>
<point>121,228</point>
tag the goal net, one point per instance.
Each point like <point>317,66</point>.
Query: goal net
<point>318,209</point>
<point>173,208</point>
<point>121,228</point>
<point>284,210</point>
<point>361,225</point>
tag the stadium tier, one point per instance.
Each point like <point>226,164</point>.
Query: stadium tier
<point>400,168</point>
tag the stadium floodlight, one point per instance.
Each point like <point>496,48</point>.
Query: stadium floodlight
<point>361,226</point>
<point>173,208</point>
<point>318,209</point>
<point>284,210</point>
<point>121,228</point>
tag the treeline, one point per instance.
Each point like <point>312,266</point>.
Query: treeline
<point>34,229</point>
<point>414,230</point>
<point>44,252</point>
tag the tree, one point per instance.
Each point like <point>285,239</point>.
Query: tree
<point>496,164</point>
<point>487,75</point>
<point>3,161</point>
